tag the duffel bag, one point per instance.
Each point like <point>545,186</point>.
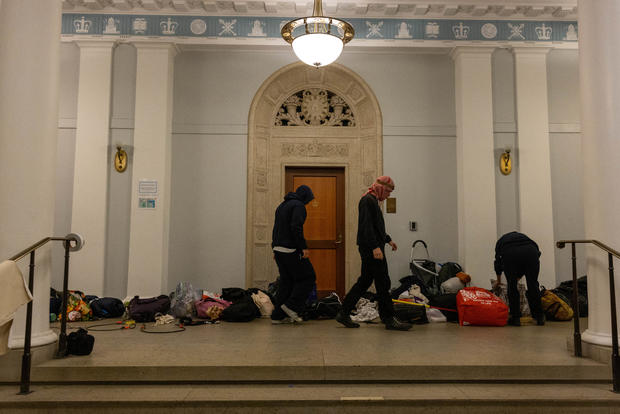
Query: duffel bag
<point>144,310</point>
<point>477,306</point>
<point>555,308</point>
<point>107,307</point>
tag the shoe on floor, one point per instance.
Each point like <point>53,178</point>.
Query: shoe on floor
<point>514,322</point>
<point>540,320</point>
<point>291,314</point>
<point>345,319</point>
<point>281,321</point>
<point>396,325</point>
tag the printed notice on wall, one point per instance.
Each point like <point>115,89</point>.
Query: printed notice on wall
<point>147,194</point>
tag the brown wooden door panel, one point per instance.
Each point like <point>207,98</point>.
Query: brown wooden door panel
<point>325,264</point>
<point>324,226</point>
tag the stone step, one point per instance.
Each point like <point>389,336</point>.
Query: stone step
<point>51,372</point>
<point>329,398</point>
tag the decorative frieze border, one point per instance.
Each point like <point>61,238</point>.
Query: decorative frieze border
<point>177,26</point>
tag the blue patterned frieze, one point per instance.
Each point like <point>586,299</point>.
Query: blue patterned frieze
<point>269,27</point>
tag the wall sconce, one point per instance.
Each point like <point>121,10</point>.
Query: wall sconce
<point>120,159</point>
<point>505,162</point>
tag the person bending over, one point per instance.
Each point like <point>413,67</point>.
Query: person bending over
<point>291,254</point>
<point>517,255</point>
<point>371,240</point>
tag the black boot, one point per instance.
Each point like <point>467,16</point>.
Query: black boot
<point>540,320</point>
<point>345,319</point>
<point>396,325</point>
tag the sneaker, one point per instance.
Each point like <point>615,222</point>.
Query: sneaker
<point>292,314</point>
<point>397,325</point>
<point>345,319</point>
<point>514,322</point>
<point>281,321</point>
<point>540,320</point>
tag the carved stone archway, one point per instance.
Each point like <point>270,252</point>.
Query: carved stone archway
<point>303,116</point>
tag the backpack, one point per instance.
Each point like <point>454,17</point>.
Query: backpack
<point>144,310</point>
<point>80,342</point>
<point>555,308</point>
<point>107,307</point>
<point>243,310</point>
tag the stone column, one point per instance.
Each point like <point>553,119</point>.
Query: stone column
<point>150,197</point>
<point>533,156</point>
<point>90,183</point>
<point>477,220</point>
<point>29,74</point>
<point>599,62</point>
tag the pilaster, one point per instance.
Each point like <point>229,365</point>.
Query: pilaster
<point>477,221</point>
<point>90,183</point>
<point>150,197</point>
<point>534,170</point>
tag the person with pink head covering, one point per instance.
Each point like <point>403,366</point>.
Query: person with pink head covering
<point>371,241</point>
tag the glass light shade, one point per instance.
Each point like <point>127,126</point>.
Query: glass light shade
<point>317,49</point>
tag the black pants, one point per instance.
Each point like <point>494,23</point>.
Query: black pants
<point>297,279</point>
<point>519,261</point>
<point>373,270</point>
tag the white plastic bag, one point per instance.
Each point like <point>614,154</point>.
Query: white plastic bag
<point>435,315</point>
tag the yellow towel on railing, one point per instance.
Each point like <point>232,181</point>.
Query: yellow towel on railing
<point>13,294</point>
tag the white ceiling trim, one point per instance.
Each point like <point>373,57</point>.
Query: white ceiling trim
<point>433,9</point>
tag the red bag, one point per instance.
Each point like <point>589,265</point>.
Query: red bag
<point>477,306</point>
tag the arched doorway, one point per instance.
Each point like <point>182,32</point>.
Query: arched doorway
<point>307,117</point>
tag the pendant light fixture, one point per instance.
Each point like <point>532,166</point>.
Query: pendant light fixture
<point>317,40</point>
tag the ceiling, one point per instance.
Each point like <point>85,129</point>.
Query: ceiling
<point>458,9</point>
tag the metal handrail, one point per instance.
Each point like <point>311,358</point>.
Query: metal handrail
<point>615,358</point>
<point>61,352</point>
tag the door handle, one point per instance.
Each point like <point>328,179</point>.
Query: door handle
<point>339,239</point>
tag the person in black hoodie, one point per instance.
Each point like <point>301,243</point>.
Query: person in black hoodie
<point>517,255</point>
<point>371,241</point>
<point>291,254</point>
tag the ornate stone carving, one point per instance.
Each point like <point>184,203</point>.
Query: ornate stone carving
<point>315,149</point>
<point>261,179</point>
<point>315,107</point>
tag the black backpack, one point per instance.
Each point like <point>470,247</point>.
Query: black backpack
<point>80,342</point>
<point>107,307</point>
<point>243,310</point>
<point>448,271</point>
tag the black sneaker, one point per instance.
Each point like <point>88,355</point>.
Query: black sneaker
<point>514,322</point>
<point>345,319</point>
<point>540,320</point>
<point>396,325</point>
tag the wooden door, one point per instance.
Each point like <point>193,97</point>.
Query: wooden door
<point>324,227</point>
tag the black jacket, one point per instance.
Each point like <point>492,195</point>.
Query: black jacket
<point>370,224</point>
<point>507,242</point>
<point>288,227</point>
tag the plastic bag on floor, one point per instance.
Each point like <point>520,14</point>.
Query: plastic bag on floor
<point>366,311</point>
<point>435,316</point>
<point>182,302</point>
<point>501,291</point>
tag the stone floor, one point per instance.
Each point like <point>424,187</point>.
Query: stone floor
<point>325,351</point>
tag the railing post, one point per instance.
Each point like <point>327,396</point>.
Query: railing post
<point>577,332</point>
<point>615,359</point>
<point>62,338</point>
<point>24,387</point>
